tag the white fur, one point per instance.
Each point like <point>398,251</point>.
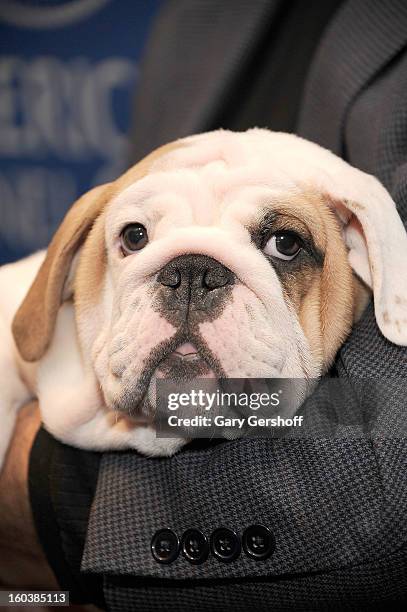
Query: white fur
<point>14,389</point>
<point>197,199</point>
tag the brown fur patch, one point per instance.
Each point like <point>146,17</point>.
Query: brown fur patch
<point>34,321</point>
<point>325,298</point>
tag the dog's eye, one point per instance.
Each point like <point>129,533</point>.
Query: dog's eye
<point>133,238</point>
<point>283,245</point>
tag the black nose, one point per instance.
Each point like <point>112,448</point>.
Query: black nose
<point>198,272</point>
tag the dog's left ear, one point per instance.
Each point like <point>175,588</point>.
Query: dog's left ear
<point>377,243</point>
<point>34,321</point>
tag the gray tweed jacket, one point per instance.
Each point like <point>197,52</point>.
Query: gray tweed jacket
<point>336,503</point>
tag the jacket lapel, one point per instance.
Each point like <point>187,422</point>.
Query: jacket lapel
<point>195,50</point>
<point>362,38</point>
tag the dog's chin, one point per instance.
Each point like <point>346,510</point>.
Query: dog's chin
<point>182,369</point>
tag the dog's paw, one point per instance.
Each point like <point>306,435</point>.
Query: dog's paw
<point>146,442</point>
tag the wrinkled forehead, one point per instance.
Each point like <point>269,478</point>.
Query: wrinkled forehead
<point>201,182</point>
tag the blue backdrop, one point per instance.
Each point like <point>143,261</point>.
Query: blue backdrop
<point>68,72</point>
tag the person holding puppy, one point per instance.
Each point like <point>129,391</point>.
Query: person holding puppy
<point>237,493</point>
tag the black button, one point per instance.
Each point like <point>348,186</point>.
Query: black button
<point>165,546</point>
<point>225,544</point>
<point>195,546</point>
<point>258,542</point>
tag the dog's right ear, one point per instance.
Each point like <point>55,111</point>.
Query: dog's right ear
<point>34,321</point>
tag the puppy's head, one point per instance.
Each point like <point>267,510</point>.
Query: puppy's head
<point>221,255</point>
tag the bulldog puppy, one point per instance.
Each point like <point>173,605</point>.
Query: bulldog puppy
<point>220,255</point>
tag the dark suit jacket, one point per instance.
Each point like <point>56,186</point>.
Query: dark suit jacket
<point>336,504</point>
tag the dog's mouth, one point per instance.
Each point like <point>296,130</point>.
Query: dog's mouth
<point>181,370</point>
<point>183,364</point>
<point>186,351</point>
<point>178,363</point>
